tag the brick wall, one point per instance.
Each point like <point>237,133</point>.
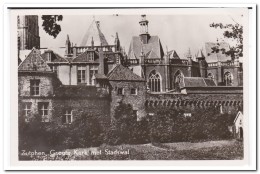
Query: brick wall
<point>137,101</point>
<point>230,103</point>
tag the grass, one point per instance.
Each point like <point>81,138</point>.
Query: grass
<point>210,150</point>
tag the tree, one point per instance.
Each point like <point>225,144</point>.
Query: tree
<point>50,24</point>
<point>232,31</point>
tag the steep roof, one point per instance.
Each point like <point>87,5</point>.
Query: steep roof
<point>121,73</point>
<point>198,82</point>
<point>95,33</point>
<point>199,54</point>
<point>173,54</point>
<point>154,45</point>
<point>34,62</point>
<point>214,57</point>
<point>54,56</point>
<point>84,58</point>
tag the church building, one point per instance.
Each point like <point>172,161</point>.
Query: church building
<point>165,71</point>
<point>95,76</point>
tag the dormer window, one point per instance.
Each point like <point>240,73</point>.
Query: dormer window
<point>91,56</point>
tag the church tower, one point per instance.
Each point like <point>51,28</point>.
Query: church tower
<point>144,35</point>
<point>28,32</point>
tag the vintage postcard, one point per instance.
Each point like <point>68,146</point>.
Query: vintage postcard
<point>144,86</point>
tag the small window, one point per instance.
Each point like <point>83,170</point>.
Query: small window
<point>27,111</point>
<point>54,69</point>
<point>120,91</point>
<point>81,74</point>
<point>67,117</point>
<point>133,91</point>
<point>35,87</point>
<point>43,108</point>
<point>91,56</point>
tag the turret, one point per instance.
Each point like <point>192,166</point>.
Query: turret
<point>144,35</point>
<point>202,63</point>
<point>189,57</point>
<point>117,43</point>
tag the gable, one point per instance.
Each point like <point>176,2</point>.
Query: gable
<point>121,73</point>
<point>34,62</point>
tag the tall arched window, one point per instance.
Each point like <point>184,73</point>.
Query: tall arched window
<point>228,79</point>
<point>154,81</point>
<point>177,80</point>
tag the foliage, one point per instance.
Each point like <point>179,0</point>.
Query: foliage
<point>170,125</point>
<point>85,132</point>
<point>125,128</point>
<point>50,24</point>
<point>167,125</point>
<point>36,135</point>
<point>232,31</point>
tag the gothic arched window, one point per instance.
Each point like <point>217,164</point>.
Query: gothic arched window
<point>154,81</point>
<point>228,79</point>
<point>177,80</point>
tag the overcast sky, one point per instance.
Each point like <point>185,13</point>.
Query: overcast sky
<point>178,32</point>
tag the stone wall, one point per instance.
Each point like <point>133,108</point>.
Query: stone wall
<point>137,101</point>
<point>98,108</point>
<point>230,103</point>
<point>46,85</point>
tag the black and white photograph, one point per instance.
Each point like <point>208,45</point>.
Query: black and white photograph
<point>165,84</point>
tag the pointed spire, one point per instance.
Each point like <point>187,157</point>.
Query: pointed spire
<point>167,50</point>
<point>117,43</point>
<point>68,39</point>
<point>94,31</point>
<point>92,42</point>
<point>68,46</point>
<point>189,54</point>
